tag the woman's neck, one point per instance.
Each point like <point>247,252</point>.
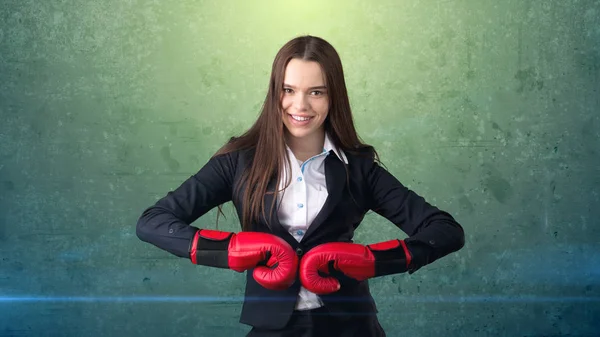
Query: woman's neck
<point>306,147</point>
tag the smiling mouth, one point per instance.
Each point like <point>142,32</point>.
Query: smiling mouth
<point>300,118</point>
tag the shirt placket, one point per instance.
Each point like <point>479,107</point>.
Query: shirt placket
<point>300,210</point>
<point>300,194</point>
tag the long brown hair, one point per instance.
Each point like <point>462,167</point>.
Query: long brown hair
<point>266,136</point>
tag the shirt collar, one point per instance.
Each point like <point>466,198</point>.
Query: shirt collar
<point>329,146</point>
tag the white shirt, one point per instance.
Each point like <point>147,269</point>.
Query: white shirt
<point>302,201</point>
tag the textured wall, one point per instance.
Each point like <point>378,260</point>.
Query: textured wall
<point>488,109</point>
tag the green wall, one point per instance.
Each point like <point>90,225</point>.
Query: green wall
<point>488,109</point>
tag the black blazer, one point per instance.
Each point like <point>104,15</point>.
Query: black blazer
<point>432,232</point>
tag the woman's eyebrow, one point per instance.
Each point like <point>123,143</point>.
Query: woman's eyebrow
<point>311,88</point>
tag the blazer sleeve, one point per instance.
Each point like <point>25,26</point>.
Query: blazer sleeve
<point>166,224</point>
<point>433,233</point>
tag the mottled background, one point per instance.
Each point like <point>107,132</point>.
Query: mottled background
<point>488,109</point>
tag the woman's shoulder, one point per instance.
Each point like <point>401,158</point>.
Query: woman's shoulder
<point>362,153</point>
<point>235,155</point>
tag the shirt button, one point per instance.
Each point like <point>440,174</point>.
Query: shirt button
<point>299,179</point>
<point>300,232</point>
<point>432,242</point>
<point>171,231</point>
<point>300,205</point>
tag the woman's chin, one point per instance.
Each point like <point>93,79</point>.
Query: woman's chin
<point>301,132</point>
<point>297,133</point>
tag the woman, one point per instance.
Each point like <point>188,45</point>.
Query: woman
<point>301,181</point>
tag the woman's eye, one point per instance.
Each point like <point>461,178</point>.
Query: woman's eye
<point>314,93</point>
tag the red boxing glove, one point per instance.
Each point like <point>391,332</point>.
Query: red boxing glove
<point>274,260</point>
<point>353,260</point>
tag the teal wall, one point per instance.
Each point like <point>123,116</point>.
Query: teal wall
<point>488,109</point>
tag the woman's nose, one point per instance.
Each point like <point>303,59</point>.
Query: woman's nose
<point>300,102</point>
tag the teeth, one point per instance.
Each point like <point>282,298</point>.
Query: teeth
<point>300,118</point>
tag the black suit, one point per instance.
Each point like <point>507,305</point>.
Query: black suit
<point>432,233</point>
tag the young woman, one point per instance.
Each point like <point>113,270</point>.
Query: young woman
<point>301,181</point>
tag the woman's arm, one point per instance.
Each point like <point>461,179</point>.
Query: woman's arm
<point>166,224</point>
<point>433,233</point>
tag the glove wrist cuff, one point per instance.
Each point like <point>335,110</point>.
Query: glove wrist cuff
<point>391,257</point>
<point>210,248</point>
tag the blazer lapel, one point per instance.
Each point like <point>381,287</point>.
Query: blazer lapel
<point>271,209</point>
<point>335,177</point>
<point>271,217</point>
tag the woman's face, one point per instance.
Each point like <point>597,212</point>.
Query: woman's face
<point>304,99</point>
